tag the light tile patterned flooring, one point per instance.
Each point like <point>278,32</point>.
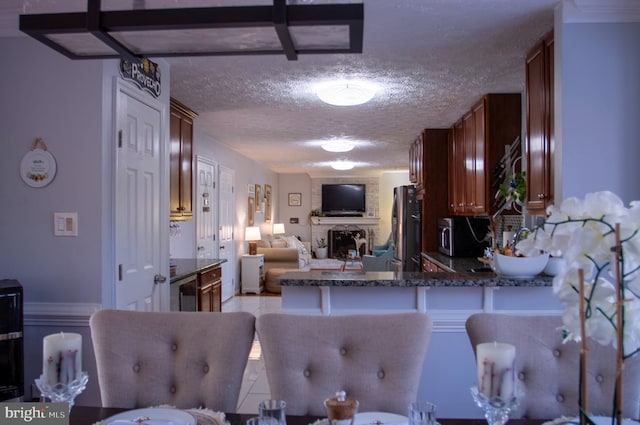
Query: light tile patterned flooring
<point>255,387</point>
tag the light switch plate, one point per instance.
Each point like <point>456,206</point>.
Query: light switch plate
<point>65,224</point>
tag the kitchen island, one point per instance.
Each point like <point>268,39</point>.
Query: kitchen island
<point>448,297</point>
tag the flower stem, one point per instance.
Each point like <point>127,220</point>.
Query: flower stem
<point>619,329</point>
<point>583,399</point>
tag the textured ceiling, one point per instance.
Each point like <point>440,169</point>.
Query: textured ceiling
<point>433,58</point>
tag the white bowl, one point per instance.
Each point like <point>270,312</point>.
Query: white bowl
<point>519,267</point>
<point>554,266</point>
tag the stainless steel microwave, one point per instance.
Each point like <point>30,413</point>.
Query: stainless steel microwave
<point>462,236</point>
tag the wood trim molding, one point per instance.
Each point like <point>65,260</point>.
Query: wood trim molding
<point>59,314</point>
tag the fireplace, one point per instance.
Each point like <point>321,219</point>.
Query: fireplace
<point>342,239</point>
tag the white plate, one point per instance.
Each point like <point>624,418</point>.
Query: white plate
<point>380,418</point>
<point>157,416</point>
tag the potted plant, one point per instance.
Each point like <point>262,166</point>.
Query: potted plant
<point>314,216</point>
<point>321,248</point>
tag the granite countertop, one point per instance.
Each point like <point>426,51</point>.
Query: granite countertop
<point>454,264</point>
<point>185,267</point>
<point>460,276</point>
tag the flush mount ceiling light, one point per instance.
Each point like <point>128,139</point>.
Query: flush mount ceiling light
<point>289,29</point>
<point>342,165</point>
<point>346,92</point>
<point>337,145</point>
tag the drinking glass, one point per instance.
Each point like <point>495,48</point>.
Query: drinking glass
<point>273,409</point>
<point>422,413</point>
<point>262,420</point>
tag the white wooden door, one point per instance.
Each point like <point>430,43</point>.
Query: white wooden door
<point>206,208</point>
<point>226,217</point>
<point>140,237</point>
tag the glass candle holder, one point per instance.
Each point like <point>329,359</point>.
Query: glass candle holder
<point>496,409</point>
<point>62,393</point>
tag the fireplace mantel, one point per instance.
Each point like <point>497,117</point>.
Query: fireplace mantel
<point>344,220</point>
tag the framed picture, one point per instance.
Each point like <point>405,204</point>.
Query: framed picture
<point>258,192</point>
<point>295,199</point>
<point>250,211</point>
<point>267,203</point>
<point>251,188</point>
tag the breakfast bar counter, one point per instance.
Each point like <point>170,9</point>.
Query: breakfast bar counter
<point>449,298</point>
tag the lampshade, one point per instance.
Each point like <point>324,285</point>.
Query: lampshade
<point>278,228</point>
<point>252,234</point>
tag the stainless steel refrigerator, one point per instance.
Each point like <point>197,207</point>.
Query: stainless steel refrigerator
<point>406,229</point>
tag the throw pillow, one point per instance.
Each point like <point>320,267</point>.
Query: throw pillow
<point>263,244</point>
<point>303,255</point>
<point>278,243</point>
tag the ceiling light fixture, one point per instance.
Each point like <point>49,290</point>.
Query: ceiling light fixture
<point>282,28</point>
<point>342,165</point>
<point>337,145</point>
<point>346,92</point>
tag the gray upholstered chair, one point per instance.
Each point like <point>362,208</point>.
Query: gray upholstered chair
<point>376,358</point>
<point>547,369</point>
<point>183,359</point>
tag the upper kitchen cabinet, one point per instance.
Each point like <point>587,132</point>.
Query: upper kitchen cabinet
<point>432,190</point>
<point>416,163</point>
<point>180,161</point>
<point>539,142</point>
<point>477,143</point>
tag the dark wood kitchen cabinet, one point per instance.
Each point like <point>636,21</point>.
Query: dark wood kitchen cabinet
<point>476,146</point>
<point>210,289</point>
<point>180,161</point>
<point>428,160</point>
<point>416,152</point>
<point>430,266</point>
<point>539,142</point>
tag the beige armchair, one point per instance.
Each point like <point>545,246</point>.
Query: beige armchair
<point>376,358</point>
<point>184,359</point>
<point>547,370</point>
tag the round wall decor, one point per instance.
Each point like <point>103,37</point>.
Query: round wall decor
<point>38,166</point>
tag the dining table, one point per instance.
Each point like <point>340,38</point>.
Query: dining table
<point>89,415</point>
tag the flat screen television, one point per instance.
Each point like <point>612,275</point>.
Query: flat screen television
<point>343,200</point>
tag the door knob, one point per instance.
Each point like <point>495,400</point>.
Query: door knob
<point>158,278</point>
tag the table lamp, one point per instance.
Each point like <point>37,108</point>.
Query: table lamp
<point>252,234</point>
<point>278,229</point>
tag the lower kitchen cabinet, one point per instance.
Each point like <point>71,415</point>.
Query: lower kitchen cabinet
<point>430,266</point>
<point>210,289</point>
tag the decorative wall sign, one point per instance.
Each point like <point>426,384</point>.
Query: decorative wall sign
<point>145,74</point>
<point>38,167</point>
<point>295,199</point>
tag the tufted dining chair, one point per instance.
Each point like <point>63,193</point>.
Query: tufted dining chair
<point>547,369</point>
<point>375,358</point>
<point>183,359</point>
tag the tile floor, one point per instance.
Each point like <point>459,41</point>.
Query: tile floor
<point>255,387</point>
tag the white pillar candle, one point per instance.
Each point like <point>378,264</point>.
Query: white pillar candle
<point>496,369</point>
<point>61,357</point>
